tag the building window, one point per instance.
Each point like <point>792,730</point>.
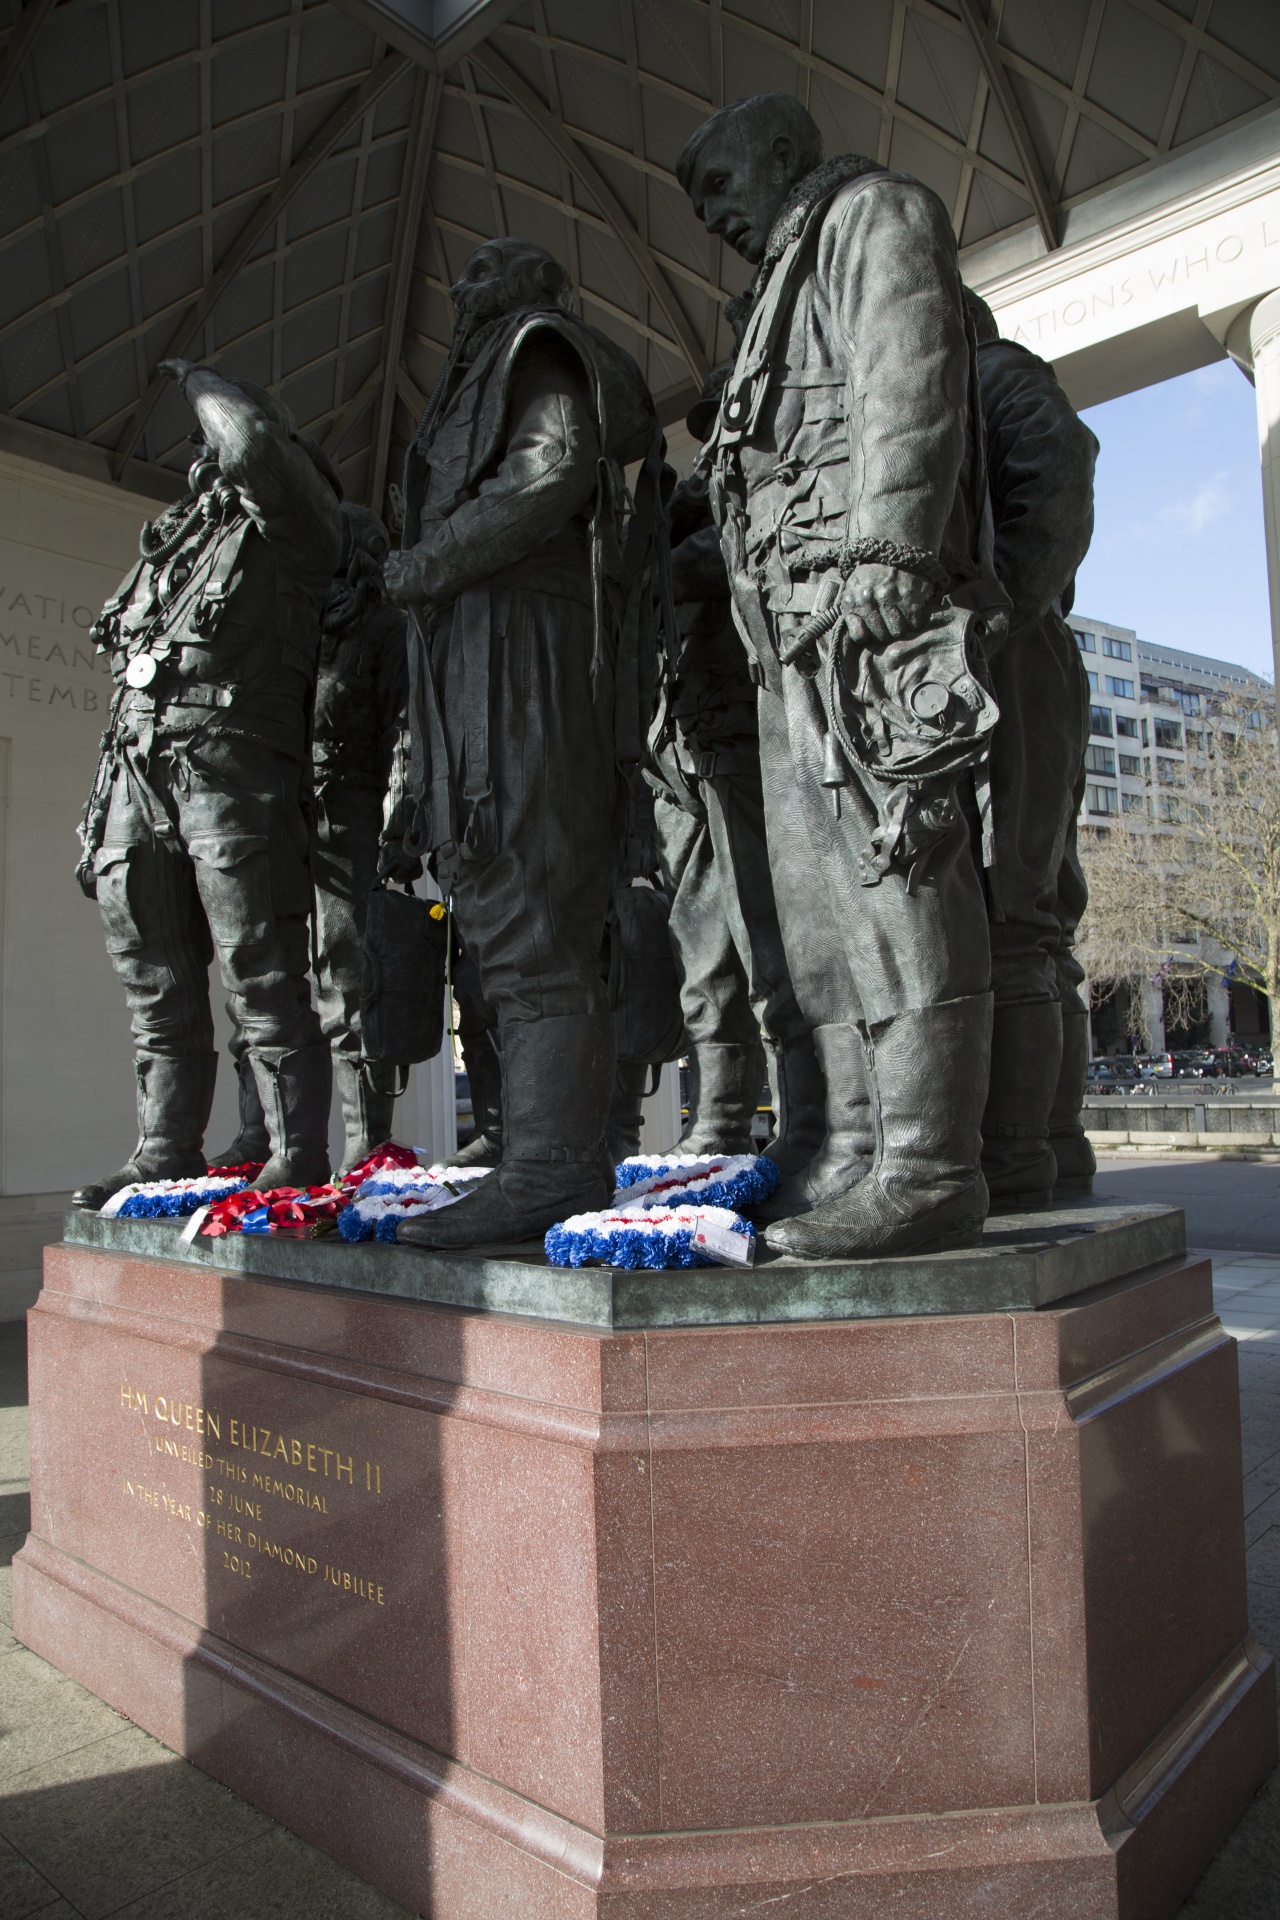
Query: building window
<point>1126,726</point>
<point>1122,689</point>
<point>1167,770</point>
<point>1195,738</point>
<point>1168,733</point>
<point>1100,760</point>
<point>1146,738</point>
<point>1132,802</point>
<point>1189,702</point>
<point>1116,649</point>
<point>1129,763</point>
<point>1100,721</point>
<point>1085,641</point>
<point>1092,678</point>
<point>1102,799</point>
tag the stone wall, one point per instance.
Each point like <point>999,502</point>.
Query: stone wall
<point>1228,1122</point>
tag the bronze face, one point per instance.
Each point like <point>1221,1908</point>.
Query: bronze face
<point>740,181</point>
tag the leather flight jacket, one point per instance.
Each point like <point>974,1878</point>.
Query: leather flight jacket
<point>850,432</point>
<point>613,556</point>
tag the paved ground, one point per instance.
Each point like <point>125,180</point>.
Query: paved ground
<point>98,1820</point>
<point>1244,1881</point>
<point>1234,1204</point>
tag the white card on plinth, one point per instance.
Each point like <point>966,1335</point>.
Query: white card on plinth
<point>723,1245</point>
<point>193,1226</point>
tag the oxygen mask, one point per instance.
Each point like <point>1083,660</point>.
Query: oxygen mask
<point>218,499</point>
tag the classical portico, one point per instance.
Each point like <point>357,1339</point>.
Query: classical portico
<point>1157,277</point>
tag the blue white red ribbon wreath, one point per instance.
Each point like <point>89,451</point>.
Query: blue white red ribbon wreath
<point>650,1237</point>
<point>395,1195</point>
<point>170,1199</point>
<point>733,1180</point>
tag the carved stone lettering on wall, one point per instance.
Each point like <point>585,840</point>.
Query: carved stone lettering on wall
<point>46,656</point>
<point>1110,289</point>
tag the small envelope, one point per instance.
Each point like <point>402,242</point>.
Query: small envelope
<point>723,1245</point>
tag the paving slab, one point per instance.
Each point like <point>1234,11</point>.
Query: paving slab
<point>77,1818</point>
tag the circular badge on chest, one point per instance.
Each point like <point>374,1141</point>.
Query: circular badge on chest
<point>141,670</point>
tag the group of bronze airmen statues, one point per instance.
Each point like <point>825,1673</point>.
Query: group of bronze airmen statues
<point>814,714</point>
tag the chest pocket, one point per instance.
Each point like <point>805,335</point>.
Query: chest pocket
<point>815,522</point>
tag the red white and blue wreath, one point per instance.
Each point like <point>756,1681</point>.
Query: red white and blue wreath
<point>733,1180</point>
<point>172,1199</point>
<point>400,1193</point>
<point>652,1237</point>
<point>670,1210</point>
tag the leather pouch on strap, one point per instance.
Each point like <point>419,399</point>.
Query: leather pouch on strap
<point>403,980</point>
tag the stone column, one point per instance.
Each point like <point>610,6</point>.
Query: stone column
<point>1153,1011</point>
<point>1257,352</point>
<point>1264,342</point>
<point>1219,1000</point>
<point>661,1113</point>
<point>427,1116</point>
<point>1253,341</point>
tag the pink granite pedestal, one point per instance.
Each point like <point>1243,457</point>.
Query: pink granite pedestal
<point>932,1618</point>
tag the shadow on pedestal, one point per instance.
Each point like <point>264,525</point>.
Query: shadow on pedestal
<point>934,1614</point>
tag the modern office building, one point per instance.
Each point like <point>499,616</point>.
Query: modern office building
<point>1150,711</point>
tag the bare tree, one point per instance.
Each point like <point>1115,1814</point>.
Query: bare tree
<point>1193,893</point>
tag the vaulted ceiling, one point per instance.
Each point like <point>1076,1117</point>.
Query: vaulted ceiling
<point>287,187</point>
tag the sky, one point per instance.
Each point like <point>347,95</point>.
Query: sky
<point>1178,547</point>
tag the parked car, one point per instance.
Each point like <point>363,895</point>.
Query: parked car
<point>1229,1063</point>
<point>1115,1075</point>
<point>1157,1065</point>
<point>1254,1059</point>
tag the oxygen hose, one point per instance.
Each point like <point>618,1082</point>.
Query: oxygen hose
<point>167,544</point>
<point>826,611</point>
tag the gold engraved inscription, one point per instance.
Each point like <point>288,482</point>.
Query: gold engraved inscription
<point>236,1491</point>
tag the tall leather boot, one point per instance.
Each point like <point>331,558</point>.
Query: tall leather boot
<point>558,1078</point>
<point>622,1134</point>
<point>366,1113</point>
<point>723,1097</point>
<point>1074,1155</point>
<point>827,1081</point>
<point>175,1096</point>
<point>483,1063</point>
<point>1026,1059</point>
<point>925,1193</point>
<point>251,1143</point>
<point>800,1091</point>
<point>296,1087</point>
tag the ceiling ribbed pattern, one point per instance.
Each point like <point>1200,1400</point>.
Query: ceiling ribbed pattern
<point>274,186</point>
